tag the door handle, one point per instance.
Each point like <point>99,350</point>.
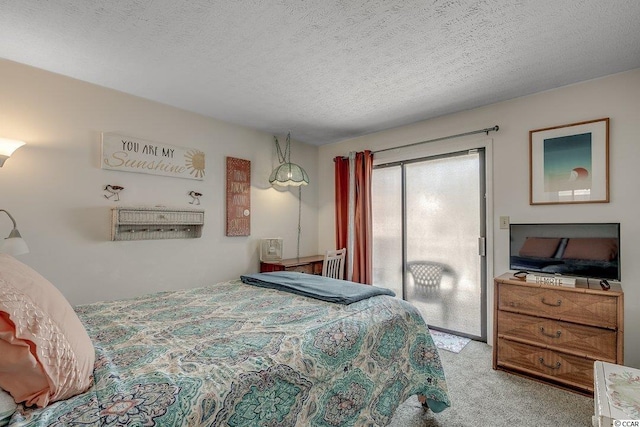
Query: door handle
<point>482,246</point>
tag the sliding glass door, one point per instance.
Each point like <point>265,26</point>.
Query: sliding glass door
<point>428,238</point>
<point>387,219</point>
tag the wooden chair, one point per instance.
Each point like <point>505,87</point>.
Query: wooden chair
<point>333,265</point>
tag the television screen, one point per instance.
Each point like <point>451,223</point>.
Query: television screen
<point>590,250</point>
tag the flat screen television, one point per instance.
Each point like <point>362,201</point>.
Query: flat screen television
<point>590,250</point>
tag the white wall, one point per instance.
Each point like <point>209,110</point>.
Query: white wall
<point>53,186</point>
<point>616,96</point>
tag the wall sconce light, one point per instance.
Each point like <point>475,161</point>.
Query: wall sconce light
<point>287,173</point>
<point>7,147</point>
<point>14,244</point>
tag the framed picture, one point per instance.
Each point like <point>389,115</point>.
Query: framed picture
<point>569,163</point>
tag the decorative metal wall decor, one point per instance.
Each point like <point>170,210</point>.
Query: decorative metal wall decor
<point>128,154</point>
<point>114,192</point>
<point>195,197</point>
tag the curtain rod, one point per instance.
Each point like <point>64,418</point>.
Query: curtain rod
<point>485,130</point>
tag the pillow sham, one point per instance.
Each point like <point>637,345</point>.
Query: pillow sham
<point>7,407</point>
<point>539,247</point>
<point>46,352</point>
<point>592,248</point>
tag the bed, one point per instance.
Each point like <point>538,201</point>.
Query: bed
<point>235,354</point>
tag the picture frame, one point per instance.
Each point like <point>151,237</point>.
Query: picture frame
<point>569,163</point>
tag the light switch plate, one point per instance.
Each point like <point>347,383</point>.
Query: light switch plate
<point>504,222</point>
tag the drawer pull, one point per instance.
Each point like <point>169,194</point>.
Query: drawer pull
<point>556,335</point>
<point>556,366</point>
<point>557,304</point>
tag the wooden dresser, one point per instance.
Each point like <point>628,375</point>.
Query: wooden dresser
<point>555,333</point>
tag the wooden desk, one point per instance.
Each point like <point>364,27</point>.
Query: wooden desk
<point>308,264</point>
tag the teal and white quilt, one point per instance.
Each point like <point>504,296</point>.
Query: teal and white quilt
<point>233,354</point>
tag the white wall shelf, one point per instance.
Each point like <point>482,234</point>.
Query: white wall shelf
<point>148,223</point>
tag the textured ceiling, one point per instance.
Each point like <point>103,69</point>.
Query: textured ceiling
<point>327,70</point>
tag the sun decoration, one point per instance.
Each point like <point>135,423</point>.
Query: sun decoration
<point>195,163</point>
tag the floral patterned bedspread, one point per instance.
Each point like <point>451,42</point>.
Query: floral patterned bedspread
<point>233,354</point>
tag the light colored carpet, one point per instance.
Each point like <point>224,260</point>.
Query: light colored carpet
<point>482,397</point>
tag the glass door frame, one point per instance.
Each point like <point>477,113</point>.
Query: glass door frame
<point>440,150</point>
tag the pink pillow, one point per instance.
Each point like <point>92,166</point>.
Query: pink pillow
<point>46,352</point>
<point>539,247</point>
<point>592,248</point>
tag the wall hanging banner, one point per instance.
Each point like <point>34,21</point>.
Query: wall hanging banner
<point>238,197</point>
<point>127,154</point>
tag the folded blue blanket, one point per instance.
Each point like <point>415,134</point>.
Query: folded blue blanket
<point>318,287</point>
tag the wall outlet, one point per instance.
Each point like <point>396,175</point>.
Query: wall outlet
<point>504,222</point>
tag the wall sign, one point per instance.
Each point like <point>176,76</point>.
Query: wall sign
<point>128,154</point>
<point>238,197</point>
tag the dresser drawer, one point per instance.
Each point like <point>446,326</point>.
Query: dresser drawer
<point>578,307</point>
<point>545,363</point>
<point>580,340</point>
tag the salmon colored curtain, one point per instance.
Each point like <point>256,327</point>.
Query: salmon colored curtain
<point>359,257</point>
<point>342,201</point>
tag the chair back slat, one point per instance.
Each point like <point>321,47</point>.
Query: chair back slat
<point>333,265</point>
